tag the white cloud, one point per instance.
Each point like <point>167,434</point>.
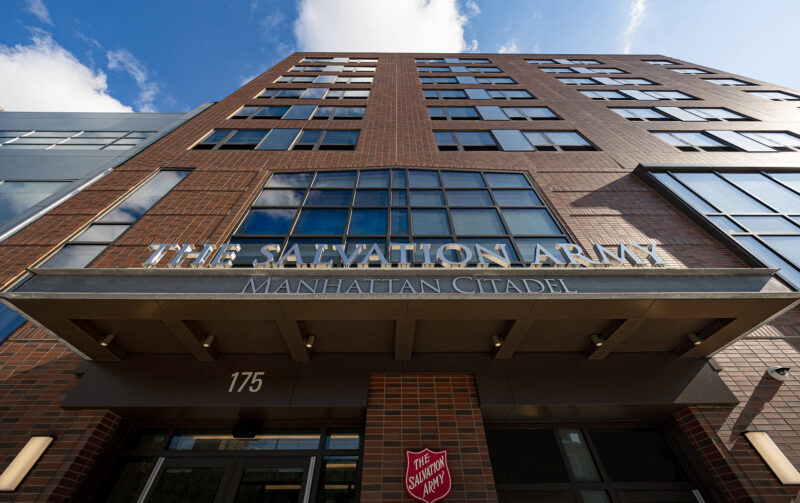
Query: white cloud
<point>510,47</point>
<point>637,15</point>
<point>39,9</point>
<point>45,77</point>
<point>472,8</point>
<point>381,26</point>
<point>125,61</point>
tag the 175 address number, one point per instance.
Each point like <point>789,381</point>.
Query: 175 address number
<point>246,382</point>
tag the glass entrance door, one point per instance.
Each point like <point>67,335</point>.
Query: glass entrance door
<point>231,480</point>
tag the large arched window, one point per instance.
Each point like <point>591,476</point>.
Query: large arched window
<point>384,206</point>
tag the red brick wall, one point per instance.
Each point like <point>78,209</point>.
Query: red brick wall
<point>36,373</point>
<point>411,412</point>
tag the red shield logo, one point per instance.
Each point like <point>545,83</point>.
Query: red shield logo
<point>427,475</point>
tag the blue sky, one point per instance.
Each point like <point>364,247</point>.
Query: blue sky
<point>173,55</point>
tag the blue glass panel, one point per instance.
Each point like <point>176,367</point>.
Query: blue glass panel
<point>420,179</point>
<point>436,113</point>
<point>469,198</point>
<point>279,197</point>
<point>399,198</point>
<point>476,139</point>
<point>398,178</point>
<point>9,321</point>
<point>16,197</point>
<point>337,137</point>
<point>329,197</point>
<point>101,233</point>
<point>353,113</point>
<point>767,224</point>
<point>399,222</point>
<point>531,222</point>
<point>517,198</point>
<point>272,112</point>
<point>216,136</point>
<point>720,193</point>
<point>444,138</point>
<point>368,222</point>
<point>430,222</point>
<point>335,179</point>
<point>322,222</point>
<point>375,179</point>
<point>289,93</point>
<point>246,137</point>
<point>427,198</point>
<point>300,112</point>
<point>787,246</point>
<point>269,222</point>
<point>74,257</point>
<point>688,196</point>
<point>506,180</point>
<point>144,197</point>
<point>372,198</point>
<point>314,93</point>
<point>771,259</point>
<point>527,246</point>
<point>308,139</point>
<point>766,190</point>
<point>477,222</point>
<point>278,139</point>
<point>467,179</point>
<point>790,179</point>
<point>308,248</point>
<point>290,180</point>
<point>726,224</point>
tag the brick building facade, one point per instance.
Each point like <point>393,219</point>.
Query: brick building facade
<point>406,374</point>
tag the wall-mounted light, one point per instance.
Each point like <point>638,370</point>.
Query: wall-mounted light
<point>497,341</point>
<point>309,342</point>
<point>207,341</point>
<point>106,340</point>
<point>694,339</point>
<point>775,459</point>
<point>597,341</point>
<point>23,462</point>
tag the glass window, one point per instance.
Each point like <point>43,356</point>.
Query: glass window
<point>17,197</point>
<point>272,112</point>
<point>420,178</point>
<point>427,198</point>
<point>368,222</point>
<point>337,139</point>
<point>476,140</point>
<point>335,179</point>
<point>290,180</point>
<point>371,198</point>
<point>338,479</point>
<point>636,455</point>
<point>506,180</point>
<point>765,189</point>
<point>145,197</point>
<point>400,222</point>
<point>477,222</point>
<point>775,95</point>
<point>512,140</point>
<point>278,139</point>
<point>314,93</point>
<point>378,178</point>
<point>74,256</point>
<point>399,198</point>
<point>517,198</point>
<point>578,455</point>
<point>104,233</point>
<point>280,198</point>
<point>530,221</point>
<point>268,222</point>
<point>321,222</point>
<point>329,198</point>
<point>469,198</point>
<point>430,222</point>
<point>462,179</point>
<point>300,112</point>
<point>722,195</point>
<point>767,224</point>
<point>729,82</point>
<point>511,468</point>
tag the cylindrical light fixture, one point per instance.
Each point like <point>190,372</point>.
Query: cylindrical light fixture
<point>106,340</point>
<point>596,340</point>
<point>775,459</point>
<point>23,462</point>
<point>309,342</point>
<point>207,341</point>
<point>497,341</point>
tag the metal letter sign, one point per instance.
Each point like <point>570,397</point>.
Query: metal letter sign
<point>427,475</point>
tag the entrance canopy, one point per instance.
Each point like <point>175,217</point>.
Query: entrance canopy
<point>207,313</point>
